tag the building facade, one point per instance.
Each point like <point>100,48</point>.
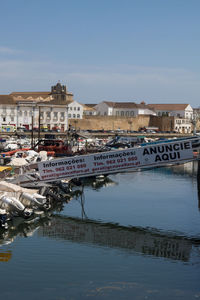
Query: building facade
<point>173,110</point>
<point>75,110</point>
<point>89,110</point>
<point>123,109</point>
<point>29,109</point>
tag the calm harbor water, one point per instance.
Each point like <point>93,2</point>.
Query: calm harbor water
<point>131,236</point>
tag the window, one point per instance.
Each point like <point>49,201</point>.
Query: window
<point>48,114</point>
<point>25,113</point>
<point>20,113</point>
<point>62,116</point>
<point>4,119</point>
<point>127,113</point>
<point>74,116</point>
<point>132,113</point>
<point>117,113</point>
<point>70,108</point>
<point>74,108</point>
<point>42,115</point>
<point>78,108</point>
<point>78,116</point>
<point>12,119</point>
<point>122,113</point>
<point>69,115</point>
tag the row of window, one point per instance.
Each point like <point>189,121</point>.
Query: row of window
<point>183,121</point>
<point>11,119</point>
<point>163,113</point>
<point>55,114</point>
<point>125,113</point>
<point>74,108</point>
<point>74,116</point>
<point>183,129</point>
<point>62,115</point>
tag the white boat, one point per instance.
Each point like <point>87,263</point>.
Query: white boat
<point>17,200</point>
<point>11,204</point>
<point>33,200</point>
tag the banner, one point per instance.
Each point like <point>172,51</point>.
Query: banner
<point>147,156</point>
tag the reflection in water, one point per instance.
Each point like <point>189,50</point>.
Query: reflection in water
<point>198,182</point>
<point>146,241</point>
<point>5,256</point>
<point>19,228</point>
<point>95,182</point>
<point>142,240</point>
<point>190,170</point>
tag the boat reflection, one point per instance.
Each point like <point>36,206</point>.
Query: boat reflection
<point>5,256</point>
<point>20,228</point>
<point>94,182</point>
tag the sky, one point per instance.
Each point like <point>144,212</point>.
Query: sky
<point>103,50</point>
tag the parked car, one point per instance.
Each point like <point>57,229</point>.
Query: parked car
<point>44,129</point>
<point>56,129</point>
<point>22,129</point>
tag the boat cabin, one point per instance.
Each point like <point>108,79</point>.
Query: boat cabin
<point>60,147</point>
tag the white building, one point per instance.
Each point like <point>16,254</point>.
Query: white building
<point>123,109</point>
<point>8,112</point>
<point>89,110</point>
<point>24,108</point>
<point>75,110</point>
<point>176,110</point>
<point>183,125</point>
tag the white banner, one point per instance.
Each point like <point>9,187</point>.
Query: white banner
<point>152,155</point>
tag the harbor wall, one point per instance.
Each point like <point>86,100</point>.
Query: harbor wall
<point>123,123</point>
<point>110,123</point>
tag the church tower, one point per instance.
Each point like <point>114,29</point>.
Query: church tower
<point>59,92</point>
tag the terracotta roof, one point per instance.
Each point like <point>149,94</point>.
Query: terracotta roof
<point>109,103</point>
<point>29,93</point>
<point>56,102</point>
<point>6,99</point>
<point>90,105</point>
<point>86,107</point>
<point>168,107</point>
<point>127,105</point>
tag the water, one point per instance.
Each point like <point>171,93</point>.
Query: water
<point>133,236</point>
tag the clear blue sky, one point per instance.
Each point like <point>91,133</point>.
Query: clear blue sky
<point>130,50</point>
